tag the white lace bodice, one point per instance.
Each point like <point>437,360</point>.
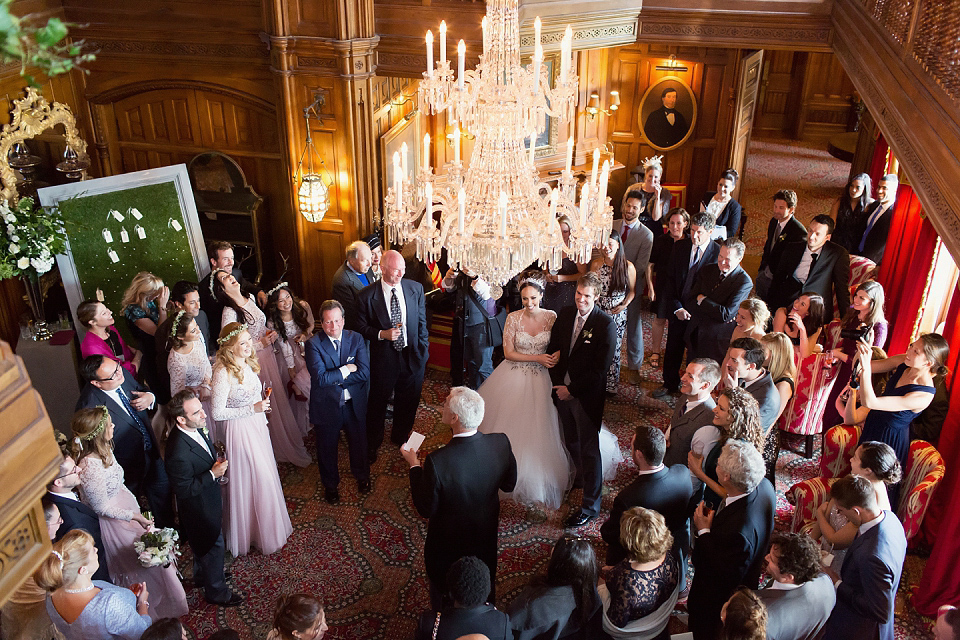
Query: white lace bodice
<point>232,399</point>
<point>188,370</point>
<point>523,342</point>
<point>100,485</point>
<point>257,325</point>
<point>294,334</point>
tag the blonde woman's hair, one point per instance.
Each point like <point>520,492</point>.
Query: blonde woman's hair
<point>745,419</point>
<point>56,571</point>
<point>779,361</point>
<point>144,285</point>
<point>225,357</point>
<point>644,534</point>
<point>758,310</point>
<point>84,424</point>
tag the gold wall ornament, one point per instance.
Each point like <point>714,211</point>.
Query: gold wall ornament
<point>31,116</point>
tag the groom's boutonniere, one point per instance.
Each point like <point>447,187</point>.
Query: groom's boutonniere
<point>782,237</point>
<point>205,432</point>
<point>587,335</point>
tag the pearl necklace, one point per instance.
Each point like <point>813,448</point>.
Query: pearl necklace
<point>85,589</point>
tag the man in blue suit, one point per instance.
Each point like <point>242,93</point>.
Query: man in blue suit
<point>868,580</point>
<point>391,314</point>
<point>339,373</point>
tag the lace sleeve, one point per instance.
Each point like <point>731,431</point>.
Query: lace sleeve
<point>287,352</point>
<point>177,371</point>
<point>229,315</point>
<point>510,329</point>
<point>95,481</point>
<point>221,392</point>
<point>551,319</point>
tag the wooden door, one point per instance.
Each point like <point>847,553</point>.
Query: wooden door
<point>776,107</point>
<point>749,83</point>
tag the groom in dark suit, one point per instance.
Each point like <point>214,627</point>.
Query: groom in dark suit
<point>339,378</point>
<point>75,514</point>
<point>134,443</point>
<point>458,487</point>
<point>391,314</point>
<point>585,338</point>
<point>195,473</point>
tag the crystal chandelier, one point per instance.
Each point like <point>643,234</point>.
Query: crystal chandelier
<point>496,217</point>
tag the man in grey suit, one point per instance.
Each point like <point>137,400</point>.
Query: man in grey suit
<point>352,276</point>
<point>637,243</point>
<point>696,410</point>
<point>745,369</point>
<point>801,597</point>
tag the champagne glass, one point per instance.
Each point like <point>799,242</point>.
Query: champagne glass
<point>221,450</point>
<point>267,391</point>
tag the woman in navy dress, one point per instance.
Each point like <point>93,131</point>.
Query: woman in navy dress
<point>909,391</point>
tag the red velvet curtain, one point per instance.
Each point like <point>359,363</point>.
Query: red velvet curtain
<point>878,164</point>
<point>906,264</point>
<point>940,583</point>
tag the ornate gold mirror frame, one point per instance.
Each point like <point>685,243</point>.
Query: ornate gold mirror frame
<point>31,116</point>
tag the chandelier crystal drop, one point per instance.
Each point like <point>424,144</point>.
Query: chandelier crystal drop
<point>496,217</point>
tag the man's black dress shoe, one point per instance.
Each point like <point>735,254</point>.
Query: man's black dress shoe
<point>363,486</point>
<point>234,600</point>
<point>578,519</point>
<point>331,495</point>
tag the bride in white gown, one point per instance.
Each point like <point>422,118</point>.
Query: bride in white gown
<point>517,402</point>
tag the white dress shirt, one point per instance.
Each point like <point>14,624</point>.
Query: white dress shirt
<point>344,370</point>
<point>803,269</point>
<point>196,437</point>
<point>387,294</point>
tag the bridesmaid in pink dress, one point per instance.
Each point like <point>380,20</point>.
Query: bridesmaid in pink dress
<point>254,509</point>
<point>121,523</point>
<point>293,321</point>
<point>189,367</point>
<point>285,435</point>
<point>102,339</point>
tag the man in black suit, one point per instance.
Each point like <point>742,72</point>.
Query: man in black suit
<point>801,597</point>
<point>75,514</point>
<point>666,126</point>
<point>477,328</point>
<point>784,227</point>
<point>585,339</point>
<point>457,489</point>
<point>352,276</point>
<point>687,257</point>
<point>745,359</point>
<point>713,301</point>
<point>817,266</point>
<point>664,489</point>
<point>339,381</point>
<point>468,585</point>
<point>134,443</point>
<point>730,546</point>
<point>392,316</point>
<point>694,412</point>
<point>874,225</point>
<point>868,580</point>
<point>195,473</point>
<point>221,257</point>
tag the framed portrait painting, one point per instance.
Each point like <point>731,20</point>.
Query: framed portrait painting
<point>668,113</point>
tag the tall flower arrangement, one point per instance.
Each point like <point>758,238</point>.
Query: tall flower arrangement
<point>34,236</point>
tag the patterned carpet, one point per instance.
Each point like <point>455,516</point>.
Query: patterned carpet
<point>364,556</point>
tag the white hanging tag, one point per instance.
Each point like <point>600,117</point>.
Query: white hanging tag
<point>99,295</point>
<point>124,236</point>
<point>107,236</point>
<point>140,232</point>
<point>133,211</point>
<point>117,215</point>
<point>113,256</point>
<point>173,223</point>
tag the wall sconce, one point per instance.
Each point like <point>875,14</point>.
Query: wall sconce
<point>314,193</point>
<point>593,105</point>
<point>672,65</point>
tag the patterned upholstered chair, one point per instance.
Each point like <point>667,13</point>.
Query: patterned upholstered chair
<point>920,479</point>
<point>860,271</point>
<point>804,413</point>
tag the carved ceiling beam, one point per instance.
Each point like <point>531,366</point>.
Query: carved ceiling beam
<point>747,30</point>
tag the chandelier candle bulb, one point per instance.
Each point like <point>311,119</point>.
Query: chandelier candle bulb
<point>461,53</point>
<point>596,166</point>
<point>461,209</point>
<point>426,152</point>
<point>456,143</point>
<point>443,41</point>
<point>427,203</point>
<point>569,165</point>
<point>536,30</point>
<point>554,195</point>
<point>483,27</point>
<point>602,191</point>
<point>429,53</point>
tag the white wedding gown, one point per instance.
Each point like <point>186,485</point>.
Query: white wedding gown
<point>517,402</point>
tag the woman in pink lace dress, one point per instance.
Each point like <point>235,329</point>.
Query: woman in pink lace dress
<point>189,367</point>
<point>121,523</point>
<point>293,321</point>
<point>285,436</point>
<point>254,510</point>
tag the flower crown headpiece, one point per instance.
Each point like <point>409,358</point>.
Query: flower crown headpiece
<point>280,285</point>
<point>100,426</point>
<point>653,161</point>
<point>176,323</point>
<point>213,276</point>
<point>232,334</point>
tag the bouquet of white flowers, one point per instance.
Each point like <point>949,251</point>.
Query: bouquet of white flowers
<point>33,237</point>
<point>157,547</point>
